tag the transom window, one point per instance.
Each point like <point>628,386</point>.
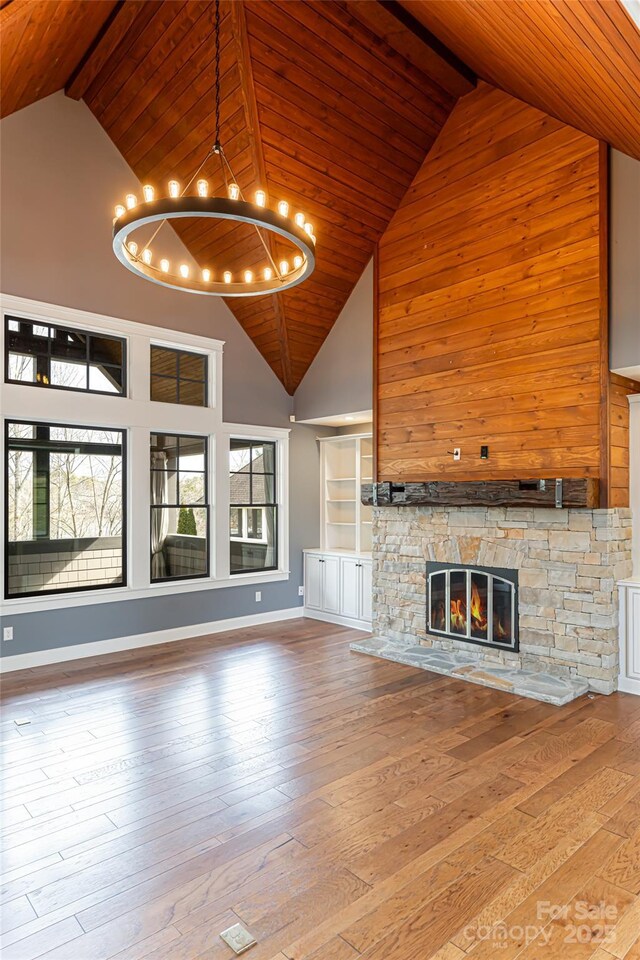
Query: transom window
<point>47,355</point>
<point>178,376</point>
<point>253,513</point>
<point>179,507</point>
<point>65,509</point>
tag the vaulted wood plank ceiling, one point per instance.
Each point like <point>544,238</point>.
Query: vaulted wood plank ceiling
<point>41,45</point>
<point>578,60</point>
<point>318,106</point>
<point>330,105</point>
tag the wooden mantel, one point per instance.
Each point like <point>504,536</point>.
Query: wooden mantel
<point>557,493</point>
<point>492,313</point>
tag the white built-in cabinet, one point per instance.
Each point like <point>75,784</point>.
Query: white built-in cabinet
<point>337,588</point>
<point>338,575</point>
<point>629,679</point>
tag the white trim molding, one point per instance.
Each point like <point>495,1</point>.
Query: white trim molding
<point>40,658</point>
<point>314,614</point>
<point>138,416</point>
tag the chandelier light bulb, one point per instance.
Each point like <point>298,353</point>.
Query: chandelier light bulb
<point>283,208</point>
<point>130,200</point>
<point>300,219</point>
<point>146,255</point>
<point>284,268</point>
<point>261,198</point>
<point>149,192</point>
<point>120,210</point>
<point>308,229</point>
<point>132,247</point>
<point>206,275</point>
<point>226,276</point>
<point>297,262</point>
<point>184,271</point>
<point>234,191</point>
<point>174,188</point>
<point>267,273</point>
<point>203,188</point>
<point>248,276</point>
<point>164,266</point>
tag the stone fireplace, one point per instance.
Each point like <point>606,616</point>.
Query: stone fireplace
<point>565,565</point>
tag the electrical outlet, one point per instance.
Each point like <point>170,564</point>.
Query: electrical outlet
<point>7,633</point>
<point>457,453</point>
<point>484,452</point>
<point>301,591</point>
<point>258,596</point>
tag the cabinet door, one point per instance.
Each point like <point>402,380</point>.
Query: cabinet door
<point>331,584</point>
<point>633,629</point>
<point>350,587</point>
<point>313,581</point>
<point>366,590</point>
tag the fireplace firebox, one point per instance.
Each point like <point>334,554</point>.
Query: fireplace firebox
<point>475,604</point>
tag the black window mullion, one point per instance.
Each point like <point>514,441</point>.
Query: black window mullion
<point>41,488</point>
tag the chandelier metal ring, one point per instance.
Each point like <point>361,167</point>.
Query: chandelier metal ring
<point>218,208</point>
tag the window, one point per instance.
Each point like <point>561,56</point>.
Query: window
<point>65,511</point>
<point>178,377</point>
<point>253,517</point>
<point>179,508</point>
<point>57,356</point>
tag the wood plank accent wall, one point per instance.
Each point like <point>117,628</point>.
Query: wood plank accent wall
<point>491,289</point>
<point>618,462</point>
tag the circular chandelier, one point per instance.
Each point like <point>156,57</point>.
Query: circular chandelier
<point>274,277</point>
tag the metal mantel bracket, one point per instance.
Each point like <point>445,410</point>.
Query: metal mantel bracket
<point>558,494</point>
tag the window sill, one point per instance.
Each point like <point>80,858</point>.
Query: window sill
<point>17,606</point>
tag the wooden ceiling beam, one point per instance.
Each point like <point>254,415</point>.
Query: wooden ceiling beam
<point>241,39</point>
<point>405,34</point>
<point>103,46</point>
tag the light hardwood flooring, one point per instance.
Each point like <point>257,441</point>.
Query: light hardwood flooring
<point>337,805</point>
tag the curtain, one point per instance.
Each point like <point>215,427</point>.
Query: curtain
<point>159,517</point>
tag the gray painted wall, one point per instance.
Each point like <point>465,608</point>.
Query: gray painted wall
<point>59,180</point>
<point>340,379</point>
<point>625,262</point>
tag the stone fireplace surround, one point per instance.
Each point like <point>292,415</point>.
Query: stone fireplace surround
<point>568,564</point>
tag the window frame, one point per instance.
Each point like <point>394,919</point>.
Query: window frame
<point>178,351</point>
<point>138,416</point>
<point>67,328</point>
<point>178,505</point>
<point>64,591</point>
<point>273,505</point>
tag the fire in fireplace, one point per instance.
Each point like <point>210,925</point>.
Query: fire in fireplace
<point>476,604</point>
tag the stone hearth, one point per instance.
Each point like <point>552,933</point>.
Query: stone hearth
<point>568,562</point>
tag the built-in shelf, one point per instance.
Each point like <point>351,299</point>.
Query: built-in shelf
<point>346,522</point>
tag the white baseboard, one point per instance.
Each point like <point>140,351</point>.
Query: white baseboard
<point>24,661</point>
<point>629,685</point>
<point>335,618</point>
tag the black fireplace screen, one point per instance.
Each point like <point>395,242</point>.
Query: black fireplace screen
<point>477,604</point>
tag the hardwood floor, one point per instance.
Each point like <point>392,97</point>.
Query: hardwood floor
<point>337,805</point>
